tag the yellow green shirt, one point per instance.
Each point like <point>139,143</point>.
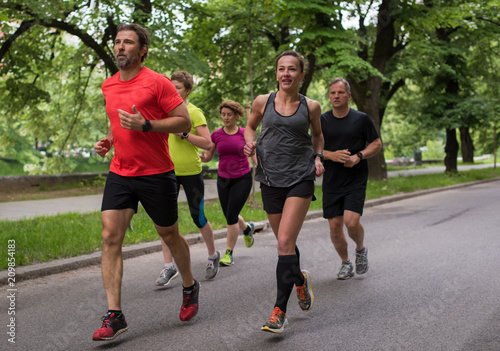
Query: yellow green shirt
<point>184,154</point>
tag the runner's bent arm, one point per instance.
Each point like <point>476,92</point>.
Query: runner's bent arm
<point>317,136</point>
<point>178,122</point>
<point>103,146</point>
<point>206,156</point>
<point>253,123</point>
<point>202,140</point>
<point>372,149</point>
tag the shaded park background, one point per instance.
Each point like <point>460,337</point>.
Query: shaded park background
<point>425,71</point>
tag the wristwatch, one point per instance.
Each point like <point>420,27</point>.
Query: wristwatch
<point>320,155</point>
<point>360,155</point>
<point>146,127</point>
<point>184,135</point>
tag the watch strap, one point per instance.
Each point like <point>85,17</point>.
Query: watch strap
<point>146,127</point>
<point>320,155</point>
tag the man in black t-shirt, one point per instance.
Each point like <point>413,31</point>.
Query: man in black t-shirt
<point>350,138</point>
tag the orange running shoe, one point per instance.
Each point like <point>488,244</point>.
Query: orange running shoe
<point>305,293</point>
<point>276,323</point>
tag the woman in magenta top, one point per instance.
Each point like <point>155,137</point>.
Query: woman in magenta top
<point>234,178</point>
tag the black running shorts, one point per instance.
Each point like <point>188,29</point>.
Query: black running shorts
<point>157,194</point>
<point>334,204</point>
<point>274,198</point>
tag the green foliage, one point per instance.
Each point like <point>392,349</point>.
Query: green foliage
<point>92,164</point>
<point>445,84</point>
<point>56,107</point>
<point>318,91</point>
<point>228,34</point>
<point>53,87</point>
<point>62,52</point>
<point>403,130</point>
<point>485,61</point>
<point>434,150</point>
<point>10,167</point>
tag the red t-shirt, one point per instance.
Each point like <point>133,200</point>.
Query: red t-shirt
<point>154,96</point>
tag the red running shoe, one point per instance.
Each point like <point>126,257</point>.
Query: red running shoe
<point>112,326</point>
<point>189,306</point>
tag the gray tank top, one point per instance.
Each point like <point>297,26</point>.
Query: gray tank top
<point>284,147</point>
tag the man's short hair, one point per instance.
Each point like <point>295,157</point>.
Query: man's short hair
<point>341,80</point>
<point>185,78</point>
<point>141,32</point>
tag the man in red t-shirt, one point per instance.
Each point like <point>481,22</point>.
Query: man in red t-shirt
<point>143,107</point>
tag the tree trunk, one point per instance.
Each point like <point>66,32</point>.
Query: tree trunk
<point>377,168</point>
<point>366,95</point>
<point>452,88</point>
<point>451,150</point>
<point>371,95</point>
<point>467,145</point>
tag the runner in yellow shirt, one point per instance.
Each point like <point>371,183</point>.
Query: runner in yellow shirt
<point>184,152</point>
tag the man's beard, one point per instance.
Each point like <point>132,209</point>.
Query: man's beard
<point>127,61</point>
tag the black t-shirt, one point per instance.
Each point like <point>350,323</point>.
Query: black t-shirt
<point>351,132</point>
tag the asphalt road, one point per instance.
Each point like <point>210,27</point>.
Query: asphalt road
<point>432,285</point>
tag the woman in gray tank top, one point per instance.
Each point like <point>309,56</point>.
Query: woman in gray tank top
<point>288,161</point>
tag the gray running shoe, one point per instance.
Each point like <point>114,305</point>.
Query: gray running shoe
<point>166,276</point>
<point>362,261</point>
<point>213,266</point>
<point>346,271</point>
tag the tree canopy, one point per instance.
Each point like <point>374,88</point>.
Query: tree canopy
<point>432,63</point>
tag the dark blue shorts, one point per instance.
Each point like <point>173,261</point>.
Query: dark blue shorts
<point>157,194</point>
